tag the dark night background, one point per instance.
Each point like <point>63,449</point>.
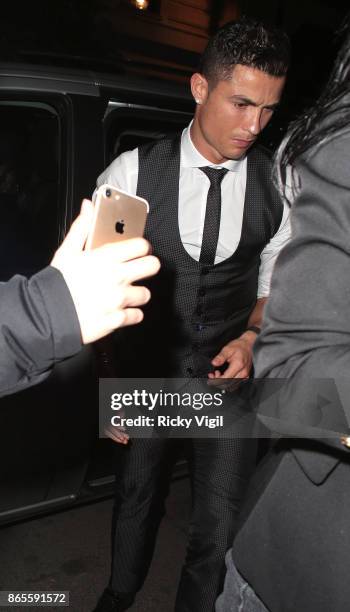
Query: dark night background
<point>113,36</point>
<point>70,549</point>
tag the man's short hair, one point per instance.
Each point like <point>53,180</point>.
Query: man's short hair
<point>249,43</point>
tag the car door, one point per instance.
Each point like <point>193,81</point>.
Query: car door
<point>58,130</point>
<point>50,152</point>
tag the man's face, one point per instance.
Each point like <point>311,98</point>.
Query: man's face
<point>230,116</point>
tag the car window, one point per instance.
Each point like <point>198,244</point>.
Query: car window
<point>29,186</point>
<point>127,128</point>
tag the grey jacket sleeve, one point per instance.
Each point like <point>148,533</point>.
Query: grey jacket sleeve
<point>306,328</point>
<point>38,327</point>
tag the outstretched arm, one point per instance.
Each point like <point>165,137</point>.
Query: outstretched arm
<point>81,297</point>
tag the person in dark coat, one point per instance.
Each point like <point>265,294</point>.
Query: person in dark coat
<point>292,551</point>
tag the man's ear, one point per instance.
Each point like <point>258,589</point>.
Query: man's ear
<point>199,87</point>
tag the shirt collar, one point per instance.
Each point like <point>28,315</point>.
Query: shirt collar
<point>192,158</point>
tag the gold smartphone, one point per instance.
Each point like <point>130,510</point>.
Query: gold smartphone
<point>118,215</point>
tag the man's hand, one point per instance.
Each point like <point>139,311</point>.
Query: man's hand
<point>238,355</point>
<point>117,434</point>
<point>100,281</point>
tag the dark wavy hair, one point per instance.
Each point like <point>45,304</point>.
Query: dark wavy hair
<point>327,117</point>
<point>247,42</point>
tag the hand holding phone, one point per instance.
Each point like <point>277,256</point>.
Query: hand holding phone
<point>101,281</point>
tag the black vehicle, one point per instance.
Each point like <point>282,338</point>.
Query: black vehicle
<point>59,129</point>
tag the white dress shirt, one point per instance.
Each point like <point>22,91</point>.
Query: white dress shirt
<point>193,191</point>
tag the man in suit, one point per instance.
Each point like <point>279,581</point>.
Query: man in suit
<point>292,551</point>
<point>79,298</point>
<point>217,224</point>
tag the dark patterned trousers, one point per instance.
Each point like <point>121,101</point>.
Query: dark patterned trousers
<point>219,472</point>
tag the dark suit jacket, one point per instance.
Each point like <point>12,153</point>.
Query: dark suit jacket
<point>294,543</point>
<point>38,327</point>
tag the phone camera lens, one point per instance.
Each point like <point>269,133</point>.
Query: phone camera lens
<point>108,193</point>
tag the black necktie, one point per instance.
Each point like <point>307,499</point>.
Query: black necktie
<point>212,214</point>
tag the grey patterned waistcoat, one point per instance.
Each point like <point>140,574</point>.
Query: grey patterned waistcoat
<point>195,309</point>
